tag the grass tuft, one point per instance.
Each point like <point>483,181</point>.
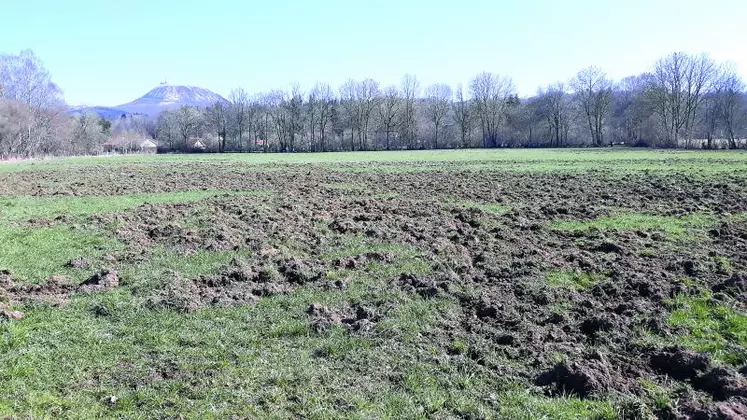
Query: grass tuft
<point>711,327</point>
<point>672,226</point>
<point>572,279</point>
<point>494,208</point>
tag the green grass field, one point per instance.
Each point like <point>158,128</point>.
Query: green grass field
<point>491,159</point>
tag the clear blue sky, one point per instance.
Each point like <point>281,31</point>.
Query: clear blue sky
<point>109,52</point>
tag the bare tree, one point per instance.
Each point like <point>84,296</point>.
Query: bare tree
<point>366,93</point>
<point>88,134</point>
<point>525,116</point>
<point>312,107</point>
<point>325,98</point>
<point>684,96</point>
<point>32,101</point>
<point>276,102</point>
<point>16,119</point>
<point>630,115</point>
<point>267,105</point>
<point>348,100</point>
<point>594,94</point>
<point>554,107</point>
<point>491,94</point>
<point>389,109</point>
<point>188,121</point>
<point>294,108</point>
<point>238,114</point>
<point>410,92</point>
<point>679,82</point>
<point>730,97</point>
<point>319,110</point>
<point>438,96</point>
<point>23,78</point>
<point>217,118</point>
<point>463,117</point>
<point>710,115</point>
<point>286,110</point>
<point>166,129</point>
<point>139,124</point>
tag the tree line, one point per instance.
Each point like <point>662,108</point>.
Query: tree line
<point>34,119</point>
<point>686,100</point>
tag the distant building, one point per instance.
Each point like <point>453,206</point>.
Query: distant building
<point>148,146</point>
<point>130,144</point>
<point>197,144</point>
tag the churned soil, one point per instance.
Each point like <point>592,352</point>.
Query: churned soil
<point>57,289</point>
<point>585,337</point>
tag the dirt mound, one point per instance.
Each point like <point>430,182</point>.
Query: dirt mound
<point>427,287</point>
<point>177,294</point>
<point>8,314</point>
<point>238,283</point>
<point>584,378</point>
<point>323,318</point>
<point>299,272</point>
<point>679,364</point>
<point>604,322</point>
<point>358,319</point>
<point>78,263</point>
<point>42,222</point>
<point>226,225</point>
<point>103,280</point>
<point>219,290</point>
<point>345,226</point>
<point>722,383</point>
<point>733,409</point>
<point>57,290</point>
<point>735,286</point>
<point>361,260</point>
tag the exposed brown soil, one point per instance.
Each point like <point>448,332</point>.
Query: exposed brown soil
<point>79,263</point>
<point>561,194</point>
<point>239,283</point>
<point>495,266</point>
<point>358,319</point>
<point>8,314</point>
<point>57,289</point>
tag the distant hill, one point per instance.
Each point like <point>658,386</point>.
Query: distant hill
<point>105,112</point>
<point>159,99</point>
<point>166,97</point>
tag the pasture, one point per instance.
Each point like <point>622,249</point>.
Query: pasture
<point>426,284</point>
